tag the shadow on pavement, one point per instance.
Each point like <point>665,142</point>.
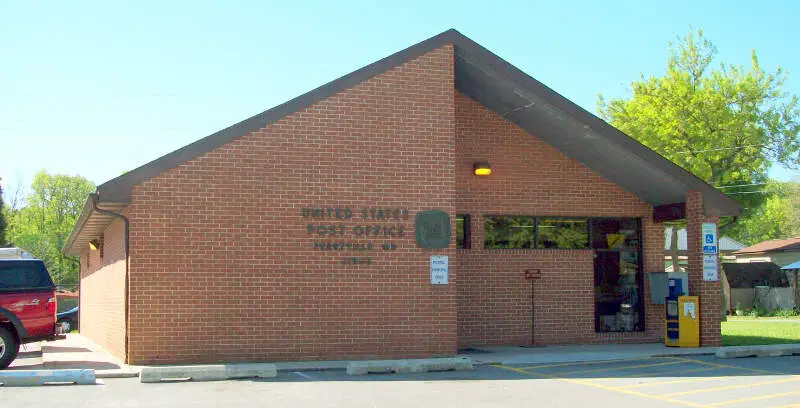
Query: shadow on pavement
<point>90,365</point>
<point>734,340</point>
<point>52,349</point>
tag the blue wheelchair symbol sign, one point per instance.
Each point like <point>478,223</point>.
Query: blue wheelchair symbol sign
<point>709,238</point>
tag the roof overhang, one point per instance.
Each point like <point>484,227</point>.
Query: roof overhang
<point>90,225</point>
<point>545,114</point>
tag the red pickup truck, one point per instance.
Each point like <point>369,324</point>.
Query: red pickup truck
<point>27,306</point>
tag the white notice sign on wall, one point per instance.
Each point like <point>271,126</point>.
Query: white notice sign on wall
<point>438,269</point>
<point>710,268</point>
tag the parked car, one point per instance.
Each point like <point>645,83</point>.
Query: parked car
<point>27,306</point>
<point>68,320</point>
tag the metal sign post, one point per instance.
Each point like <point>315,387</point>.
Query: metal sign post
<point>533,275</point>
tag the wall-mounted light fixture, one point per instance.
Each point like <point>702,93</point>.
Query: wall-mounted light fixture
<point>93,245</point>
<point>481,169</point>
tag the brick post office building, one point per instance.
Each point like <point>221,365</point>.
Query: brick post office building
<point>311,230</point>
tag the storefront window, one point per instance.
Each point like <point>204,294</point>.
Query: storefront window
<point>562,233</point>
<point>617,275</point>
<point>523,232</point>
<point>506,232</point>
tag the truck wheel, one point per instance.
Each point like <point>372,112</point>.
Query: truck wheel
<point>9,346</point>
<point>67,324</point>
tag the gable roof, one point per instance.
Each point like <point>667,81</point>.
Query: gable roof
<point>503,88</point>
<point>773,245</point>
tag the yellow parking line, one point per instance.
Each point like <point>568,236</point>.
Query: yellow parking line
<point>516,370</point>
<point>580,363</point>
<point>603,387</point>
<point>753,370</point>
<point>756,398</point>
<point>685,380</point>
<point>670,373</point>
<point>732,387</point>
<point>599,370</point>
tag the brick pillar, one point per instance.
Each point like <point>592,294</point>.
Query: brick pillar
<point>709,292</point>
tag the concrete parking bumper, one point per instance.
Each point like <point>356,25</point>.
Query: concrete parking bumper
<point>408,366</point>
<point>771,350</point>
<point>23,378</point>
<point>214,372</point>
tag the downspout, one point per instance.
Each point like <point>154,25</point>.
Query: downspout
<point>95,198</point>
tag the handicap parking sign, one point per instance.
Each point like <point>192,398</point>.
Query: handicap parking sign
<point>709,232</point>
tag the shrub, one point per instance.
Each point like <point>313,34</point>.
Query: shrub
<point>763,312</point>
<point>786,313</point>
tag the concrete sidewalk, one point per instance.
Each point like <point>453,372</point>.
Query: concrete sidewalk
<point>28,358</point>
<point>78,352</point>
<point>577,353</point>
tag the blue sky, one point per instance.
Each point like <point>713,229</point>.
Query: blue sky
<point>100,87</point>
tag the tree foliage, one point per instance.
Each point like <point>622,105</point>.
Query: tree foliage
<point>725,124</point>
<point>42,226</point>
<point>3,221</point>
<point>778,217</point>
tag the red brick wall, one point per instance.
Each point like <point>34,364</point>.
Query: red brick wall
<point>222,268</point>
<point>102,292</point>
<point>532,178</point>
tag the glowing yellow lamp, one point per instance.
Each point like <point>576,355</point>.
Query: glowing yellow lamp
<point>482,169</point>
<point>93,245</point>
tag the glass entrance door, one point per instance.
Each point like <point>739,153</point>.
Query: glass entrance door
<point>618,277</point>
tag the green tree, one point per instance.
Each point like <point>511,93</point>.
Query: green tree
<point>777,217</point>
<point>725,124</point>
<point>43,224</point>
<point>3,222</point>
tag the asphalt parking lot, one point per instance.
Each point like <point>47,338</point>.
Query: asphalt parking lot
<point>700,381</point>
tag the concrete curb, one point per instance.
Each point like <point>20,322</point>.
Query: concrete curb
<point>216,372</point>
<point>42,377</point>
<point>709,353</point>
<point>408,366</point>
<point>324,365</point>
<point>771,350</point>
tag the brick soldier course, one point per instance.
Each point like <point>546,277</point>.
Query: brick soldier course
<point>292,235</point>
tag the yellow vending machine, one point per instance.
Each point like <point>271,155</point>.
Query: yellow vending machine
<point>688,321</point>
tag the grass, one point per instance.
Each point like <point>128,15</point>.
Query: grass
<point>751,318</point>
<point>749,331</point>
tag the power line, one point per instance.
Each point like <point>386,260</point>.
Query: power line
<point>720,149</point>
<point>742,185</point>
<point>748,192</point>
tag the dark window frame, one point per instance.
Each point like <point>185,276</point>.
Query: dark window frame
<point>533,225</point>
<point>536,230</point>
<point>467,233</point>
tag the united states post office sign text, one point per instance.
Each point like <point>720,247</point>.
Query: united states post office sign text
<point>362,230</point>
<point>370,229</point>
